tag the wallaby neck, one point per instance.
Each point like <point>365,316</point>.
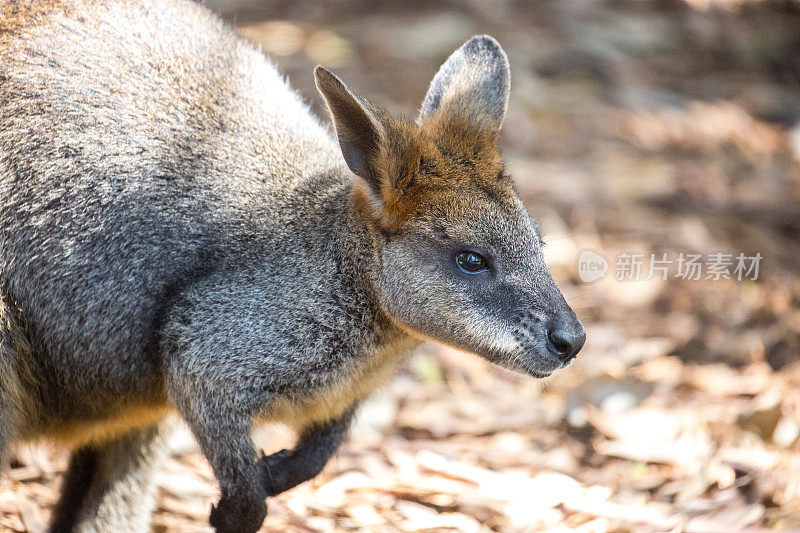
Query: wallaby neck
<point>360,245</point>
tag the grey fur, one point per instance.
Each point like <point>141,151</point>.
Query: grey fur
<point>472,84</point>
<point>178,232</point>
<point>357,128</point>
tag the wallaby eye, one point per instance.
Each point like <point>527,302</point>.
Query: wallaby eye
<point>471,263</point>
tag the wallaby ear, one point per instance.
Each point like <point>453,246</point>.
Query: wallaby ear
<point>472,85</point>
<point>359,131</point>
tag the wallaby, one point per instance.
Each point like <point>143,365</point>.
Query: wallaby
<point>179,234</point>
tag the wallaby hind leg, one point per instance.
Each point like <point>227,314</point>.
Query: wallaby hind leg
<point>15,403</point>
<point>108,487</point>
<point>74,489</point>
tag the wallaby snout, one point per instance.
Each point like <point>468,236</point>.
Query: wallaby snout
<point>553,335</point>
<point>565,336</point>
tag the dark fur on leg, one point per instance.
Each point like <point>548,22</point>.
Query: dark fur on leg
<point>245,482</point>
<point>286,469</point>
<point>224,437</point>
<point>108,486</point>
<point>77,480</point>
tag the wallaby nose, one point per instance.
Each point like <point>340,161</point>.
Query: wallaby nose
<point>565,343</point>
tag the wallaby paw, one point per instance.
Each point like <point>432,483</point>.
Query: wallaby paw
<point>277,458</point>
<point>274,468</point>
<point>237,516</point>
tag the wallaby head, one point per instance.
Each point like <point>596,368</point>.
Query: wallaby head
<point>460,259</point>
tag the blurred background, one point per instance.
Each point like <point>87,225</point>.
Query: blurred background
<point>640,133</point>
